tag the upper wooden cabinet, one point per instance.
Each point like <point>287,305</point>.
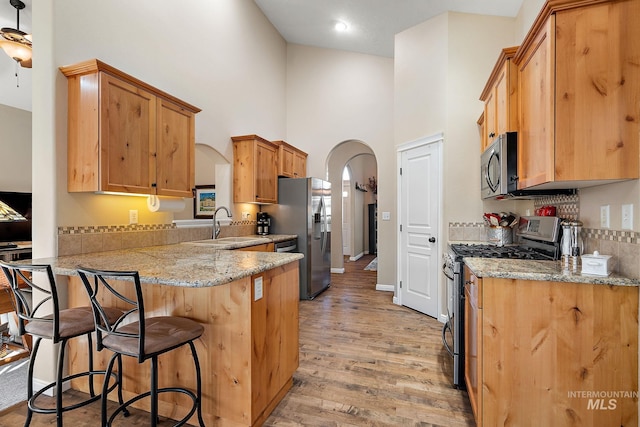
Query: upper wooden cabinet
<point>255,170</point>
<point>579,95</point>
<point>500,97</point>
<point>292,162</point>
<point>125,135</point>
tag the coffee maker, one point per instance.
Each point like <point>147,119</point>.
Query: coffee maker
<point>264,222</point>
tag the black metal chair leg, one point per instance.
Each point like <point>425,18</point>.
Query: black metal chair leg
<point>105,388</point>
<point>32,359</point>
<point>154,391</point>
<point>92,392</point>
<point>59,376</point>
<point>125,411</point>
<point>196,361</point>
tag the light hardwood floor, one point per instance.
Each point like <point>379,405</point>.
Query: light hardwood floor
<point>364,361</point>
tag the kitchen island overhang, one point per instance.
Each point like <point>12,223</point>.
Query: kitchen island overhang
<point>248,304</point>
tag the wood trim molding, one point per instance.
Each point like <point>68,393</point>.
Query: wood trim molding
<point>505,54</point>
<point>95,65</point>
<point>549,8</point>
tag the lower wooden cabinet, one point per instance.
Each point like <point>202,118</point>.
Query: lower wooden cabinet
<point>473,343</point>
<point>553,353</point>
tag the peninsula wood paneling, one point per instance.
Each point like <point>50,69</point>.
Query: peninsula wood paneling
<point>246,362</point>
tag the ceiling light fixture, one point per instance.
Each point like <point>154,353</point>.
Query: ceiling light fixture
<point>16,43</point>
<point>341,26</point>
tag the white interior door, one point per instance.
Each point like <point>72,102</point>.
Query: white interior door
<point>419,218</point>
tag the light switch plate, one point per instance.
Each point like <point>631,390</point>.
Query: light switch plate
<point>627,217</point>
<point>386,216</point>
<point>604,216</point>
<point>257,288</point>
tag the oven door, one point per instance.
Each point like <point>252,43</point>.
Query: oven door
<point>447,330</point>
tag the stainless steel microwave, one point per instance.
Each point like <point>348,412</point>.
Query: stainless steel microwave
<point>499,167</point>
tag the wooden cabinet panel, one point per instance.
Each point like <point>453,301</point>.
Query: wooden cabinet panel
<point>175,158</point>
<point>292,162</point>
<point>544,343</point>
<point>580,95</point>
<point>536,136</point>
<point>266,247</point>
<point>255,175</point>
<point>473,351</point>
<point>598,92</point>
<point>500,97</point>
<point>125,135</point>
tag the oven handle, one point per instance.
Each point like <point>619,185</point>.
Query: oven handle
<point>445,270</point>
<point>444,337</point>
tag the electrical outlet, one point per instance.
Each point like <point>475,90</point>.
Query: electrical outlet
<point>604,216</point>
<point>627,217</point>
<point>386,216</point>
<point>133,216</point>
<point>245,215</point>
<point>257,288</point>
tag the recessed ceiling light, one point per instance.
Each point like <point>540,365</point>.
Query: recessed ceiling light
<point>341,26</point>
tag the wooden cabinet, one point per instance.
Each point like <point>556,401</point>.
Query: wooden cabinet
<point>579,95</point>
<point>292,162</point>
<point>265,247</point>
<point>542,347</point>
<point>255,174</point>
<point>500,97</point>
<point>125,135</point>
<point>473,342</point>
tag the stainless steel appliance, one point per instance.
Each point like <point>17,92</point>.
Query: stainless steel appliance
<point>264,222</point>
<point>304,209</point>
<point>499,171</point>
<point>538,239</point>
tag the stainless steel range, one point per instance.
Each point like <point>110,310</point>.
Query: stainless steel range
<point>538,239</point>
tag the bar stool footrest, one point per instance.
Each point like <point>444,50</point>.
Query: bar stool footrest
<point>181,422</point>
<point>32,401</point>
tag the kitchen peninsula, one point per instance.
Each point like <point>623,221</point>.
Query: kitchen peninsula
<point>248,304</point>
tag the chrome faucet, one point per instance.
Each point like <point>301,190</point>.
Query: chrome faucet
<point>216,224</point>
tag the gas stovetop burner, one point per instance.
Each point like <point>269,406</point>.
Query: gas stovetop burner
<point>491,251</point>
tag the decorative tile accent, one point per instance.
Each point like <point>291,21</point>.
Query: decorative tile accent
<point>623,236</point>
<point>567,206</point>
<point>113,228</point>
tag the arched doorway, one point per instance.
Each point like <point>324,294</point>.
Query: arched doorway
<point>363,165</point>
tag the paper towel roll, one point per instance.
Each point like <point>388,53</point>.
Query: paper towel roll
<point>165,204</point>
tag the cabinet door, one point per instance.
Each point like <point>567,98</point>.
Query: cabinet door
<point>127,137</point>
<point>266,184</point>
<point>536,113</point>
<point>175,164</point>
<point>597,92</point>
<point>286,161</point>
<point>490,118</point>
<point>473,343</point>
<point>299,165</point>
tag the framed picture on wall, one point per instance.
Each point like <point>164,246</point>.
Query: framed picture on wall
<point>204,202</point>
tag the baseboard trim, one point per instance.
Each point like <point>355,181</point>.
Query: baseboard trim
<point>40,384</point>
<point>338,270</point>
<point>357,257</point>
<point>385,288</point>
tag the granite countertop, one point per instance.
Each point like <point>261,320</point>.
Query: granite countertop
<point>539,270</point>
<point>176,265</point>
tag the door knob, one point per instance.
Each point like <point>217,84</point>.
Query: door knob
<point>432,239</point>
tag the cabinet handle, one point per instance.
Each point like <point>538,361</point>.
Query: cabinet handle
<point>469,282</point>
<point>491,135</point>
<point>154,184</point>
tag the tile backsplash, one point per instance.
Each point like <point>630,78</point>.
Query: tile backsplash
<point>622,245</point>
<point>88,239</point>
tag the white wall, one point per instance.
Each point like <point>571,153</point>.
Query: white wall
<point>333,97</point>
<point>223,56</point>
<point>15,149</point>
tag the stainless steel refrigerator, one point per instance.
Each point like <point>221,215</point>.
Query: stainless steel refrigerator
<point>304,208</point>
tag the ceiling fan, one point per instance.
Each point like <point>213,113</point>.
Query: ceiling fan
<point>16,43</point>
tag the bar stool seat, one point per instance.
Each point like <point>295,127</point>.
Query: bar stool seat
<point>58,326</point>
<point>144,338</point>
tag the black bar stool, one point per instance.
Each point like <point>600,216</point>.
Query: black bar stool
<point>143,338</point>
<point>44,319</point>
